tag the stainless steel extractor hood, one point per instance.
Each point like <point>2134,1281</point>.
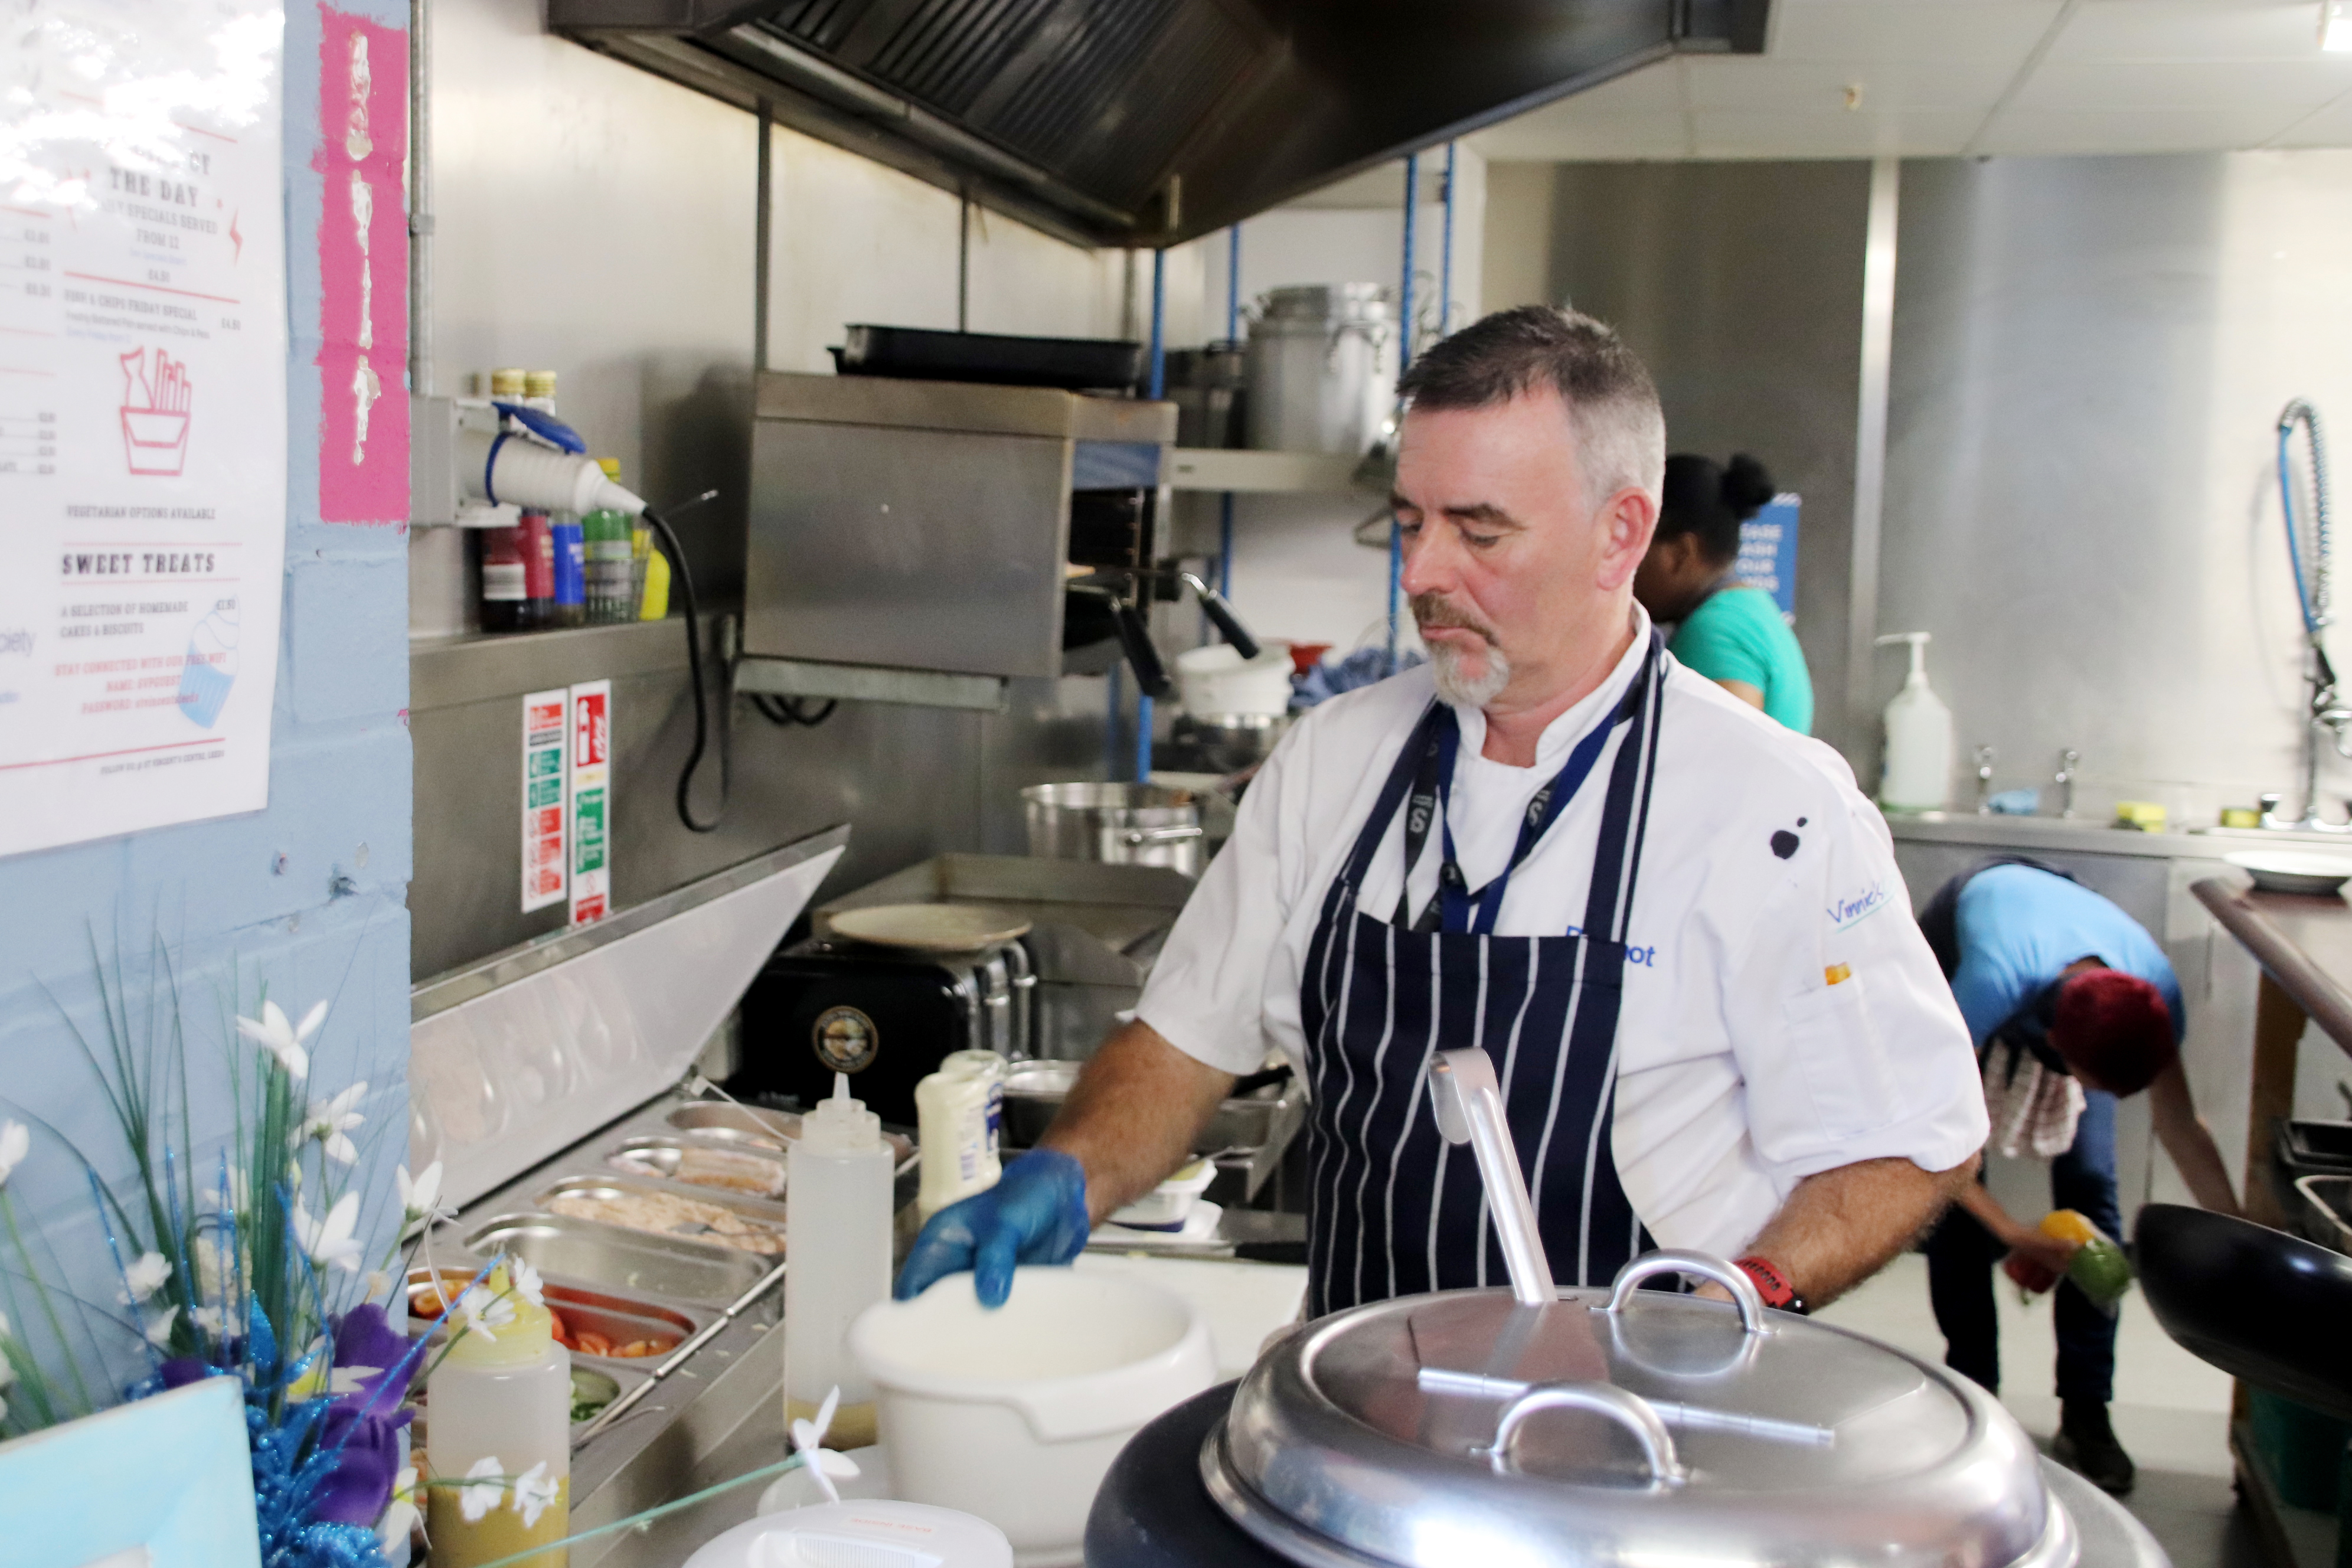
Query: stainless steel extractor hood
<point>1145,122</point>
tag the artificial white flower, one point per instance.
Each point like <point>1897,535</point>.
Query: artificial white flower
<point>526,1281</point>
<point>329,1240</point>
<point>144,1277</point>
<point>159,1328</point>
<point>400,1514</point>
<point>823,1463</point>
<point>330,1121</point>
<point>533,1492</point>
<point>282,1039</point>
<point>420,1196</point>
<point>485,1315</point>
<point>487,1485</point>
<point>213,1320</point>
<point>16,1142</point>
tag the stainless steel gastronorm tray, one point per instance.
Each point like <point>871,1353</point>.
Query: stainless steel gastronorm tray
<point>585,1250</point>
<point>765,1218</point>
<point>618,1317</point>
<point>770,1131</point>
<point>662,1158</point>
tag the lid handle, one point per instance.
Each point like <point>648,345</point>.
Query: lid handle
<point>1649,1265</point>
<point>1469,1106</point>
<point>1630,1411</point>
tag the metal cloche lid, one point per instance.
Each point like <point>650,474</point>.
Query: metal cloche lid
<point>1628,1427</point>
<point>1618,1429</point>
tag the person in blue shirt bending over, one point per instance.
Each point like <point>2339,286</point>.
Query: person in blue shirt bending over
<point>2073,1005</point>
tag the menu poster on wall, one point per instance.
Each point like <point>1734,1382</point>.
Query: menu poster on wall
<point>1768,553</point>
<point>592,801</point>
<point>143,413</point>
<point>545,731</point>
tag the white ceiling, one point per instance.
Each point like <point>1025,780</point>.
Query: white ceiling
<point>1937,78</point>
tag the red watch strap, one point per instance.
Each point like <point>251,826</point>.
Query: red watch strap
<point>1770,1283</point>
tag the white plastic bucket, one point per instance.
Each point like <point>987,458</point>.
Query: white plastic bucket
<point>1014,1415</point>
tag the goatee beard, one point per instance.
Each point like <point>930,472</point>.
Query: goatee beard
<point>1464,690</point>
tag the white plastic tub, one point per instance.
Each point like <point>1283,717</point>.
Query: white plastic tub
<point>1166,1206</point>
<point>1215,681</point>
<point>1014,1415</point>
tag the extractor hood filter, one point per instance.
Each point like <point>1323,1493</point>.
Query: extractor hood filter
<point>1145,121</point>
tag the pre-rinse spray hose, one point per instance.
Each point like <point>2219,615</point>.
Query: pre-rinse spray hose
<point>2313,598</point>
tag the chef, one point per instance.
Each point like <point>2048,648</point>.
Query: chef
<point>1675,926</point>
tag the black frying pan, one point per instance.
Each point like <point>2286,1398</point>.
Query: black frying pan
<point>2267,1308</point>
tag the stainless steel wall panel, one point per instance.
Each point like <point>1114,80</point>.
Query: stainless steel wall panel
<point>2090,354</point>
<point>1740,285</point>
<point>911,783</point>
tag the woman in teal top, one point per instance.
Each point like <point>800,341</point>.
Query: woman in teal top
<point>1732,635</point>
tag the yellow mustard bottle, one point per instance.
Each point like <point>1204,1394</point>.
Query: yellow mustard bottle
<point>497,1411</point>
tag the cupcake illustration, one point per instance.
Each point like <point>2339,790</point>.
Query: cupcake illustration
<point>211,668</point>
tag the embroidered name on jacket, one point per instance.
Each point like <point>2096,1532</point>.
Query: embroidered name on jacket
<point>1847,911</point>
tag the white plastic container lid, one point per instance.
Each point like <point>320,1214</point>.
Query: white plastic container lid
<point>859,1535</point>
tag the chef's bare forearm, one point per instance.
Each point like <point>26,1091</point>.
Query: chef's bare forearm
<point>2187,1139</point>
<point>1132,1118</point>
<point>1841,1226</point>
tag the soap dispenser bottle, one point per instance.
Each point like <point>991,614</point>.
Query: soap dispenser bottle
<point>837,1192</point>
<point>1918,772</point>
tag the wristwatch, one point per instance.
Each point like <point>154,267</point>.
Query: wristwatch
<point>1771,1284</point>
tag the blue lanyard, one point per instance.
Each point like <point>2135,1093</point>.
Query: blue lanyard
<point>1461,910</point>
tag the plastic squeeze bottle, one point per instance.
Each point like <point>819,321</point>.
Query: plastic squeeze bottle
<point>1918,773</point>
<point>837,1191</point>
<point>961,1108</point>
<point>498,1409</point>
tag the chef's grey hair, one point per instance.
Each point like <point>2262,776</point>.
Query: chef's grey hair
<point>1613,405</point>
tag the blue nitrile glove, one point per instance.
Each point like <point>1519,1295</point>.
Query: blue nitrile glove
<point>1036,1213</point>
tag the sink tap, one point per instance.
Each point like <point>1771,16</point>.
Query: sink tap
<point>1984,780</point>
<point>2069,764</point>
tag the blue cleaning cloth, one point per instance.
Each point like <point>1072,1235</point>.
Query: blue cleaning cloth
<point>2015,802</point>
<point>1365,667</point>
<point>1036,1213</point>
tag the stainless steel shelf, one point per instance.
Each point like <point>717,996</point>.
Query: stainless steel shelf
<point>1265,473</point>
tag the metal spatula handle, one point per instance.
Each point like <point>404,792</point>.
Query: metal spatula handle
<point>1469,1106</point>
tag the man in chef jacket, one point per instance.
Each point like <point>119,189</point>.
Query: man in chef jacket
<point>1675,926</point>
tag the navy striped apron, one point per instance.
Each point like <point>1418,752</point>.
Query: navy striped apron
<point>1394,1209</point>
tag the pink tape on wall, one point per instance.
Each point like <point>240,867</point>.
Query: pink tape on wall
<point>363,271</point>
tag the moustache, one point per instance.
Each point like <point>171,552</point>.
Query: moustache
<point>1435,610</point>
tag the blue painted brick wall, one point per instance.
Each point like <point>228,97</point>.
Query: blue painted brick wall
<point>309,894</point>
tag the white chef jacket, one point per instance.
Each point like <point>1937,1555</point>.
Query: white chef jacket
<point>1781,1014</point>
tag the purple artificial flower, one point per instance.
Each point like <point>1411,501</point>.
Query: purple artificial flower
<point>182,1370</point>
<point>374,1363</point>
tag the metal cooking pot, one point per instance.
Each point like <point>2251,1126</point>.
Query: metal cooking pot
<point>1121,824</point>
<point>1611,1429</point>
<point>1322,368</point>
